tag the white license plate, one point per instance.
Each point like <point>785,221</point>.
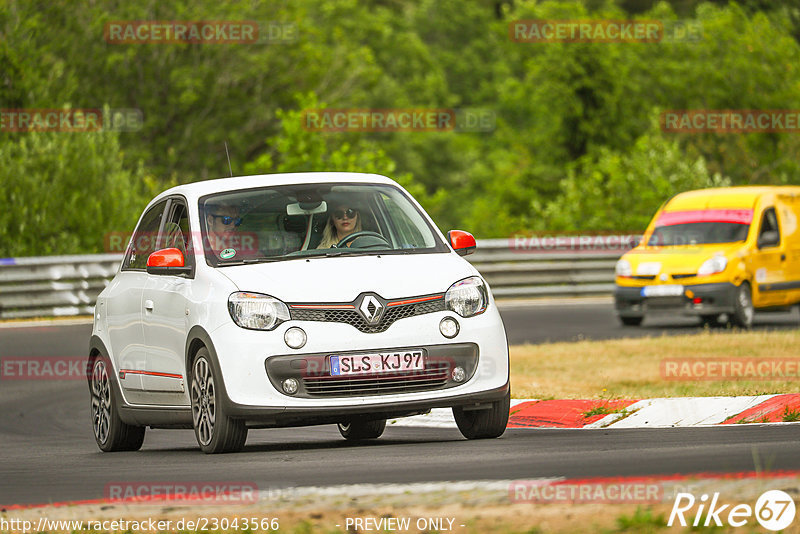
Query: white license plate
<point>386,362</point>
<point>662,291</point>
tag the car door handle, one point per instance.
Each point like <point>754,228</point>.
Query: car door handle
<point>783,257</point>
<point>148,305</point>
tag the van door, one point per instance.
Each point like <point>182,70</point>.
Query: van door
<point>789,216</point>
<point>769,263</point>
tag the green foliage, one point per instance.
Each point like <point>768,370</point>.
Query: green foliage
<point>575,147</point>
<point>63,192</point>
<point>298,149</point>
<point>642,520</point>
<point>621,190</point>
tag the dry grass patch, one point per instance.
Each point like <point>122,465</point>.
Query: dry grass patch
<point>631,368</point>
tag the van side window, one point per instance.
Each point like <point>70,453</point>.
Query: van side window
<point>769,223</point>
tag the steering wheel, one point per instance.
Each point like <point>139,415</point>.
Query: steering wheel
<point>365,233</point>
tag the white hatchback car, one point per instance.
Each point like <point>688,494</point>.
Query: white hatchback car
<point>289,300</point>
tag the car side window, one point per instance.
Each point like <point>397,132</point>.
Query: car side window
<point>176,231</point>
<point>144,240</point>
<point>769,223</point>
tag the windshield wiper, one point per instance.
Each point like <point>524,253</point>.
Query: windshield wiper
<point>263,259</point>
<point>247,261</point>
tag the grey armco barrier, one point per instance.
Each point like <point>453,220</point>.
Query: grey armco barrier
<point>55,286</point>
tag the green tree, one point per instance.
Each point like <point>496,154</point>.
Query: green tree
<point>621,190</point>
<point>64,193</point>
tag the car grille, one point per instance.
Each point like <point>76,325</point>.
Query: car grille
<point>679,276</point>
<point>313,373</point>
<point>333,386</point>
<point>354,318</point>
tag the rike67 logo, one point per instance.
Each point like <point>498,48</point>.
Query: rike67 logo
<point>774,510</point>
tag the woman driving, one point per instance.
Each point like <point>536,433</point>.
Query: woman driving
<point>343,220</point>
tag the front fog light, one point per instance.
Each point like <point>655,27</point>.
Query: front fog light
<point>459,374</point>
<point>295,337</point>
<point>448,327</point>
<point>290,386</point>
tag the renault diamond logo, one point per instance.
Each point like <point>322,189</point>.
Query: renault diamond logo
<point>371,309</point>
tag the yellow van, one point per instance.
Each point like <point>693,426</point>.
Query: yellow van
<point>718,254</point>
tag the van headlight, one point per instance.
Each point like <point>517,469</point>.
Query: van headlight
<point>623,268</point>
<point>467,297</point>
<point>713,265</point>
<point>256,311</point>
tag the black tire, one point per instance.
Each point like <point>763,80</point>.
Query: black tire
<point>214,430</point>
<point>743,306</point>
<point>361,430</point>
<point>483,424</point>
<point>110,433</point>
<point>632,321</point>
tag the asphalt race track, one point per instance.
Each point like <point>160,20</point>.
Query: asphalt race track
<point>49,455</point>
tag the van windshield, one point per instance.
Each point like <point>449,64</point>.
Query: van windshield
<point>698,234</point>
<point>701,227</point>
<point>307,220</point>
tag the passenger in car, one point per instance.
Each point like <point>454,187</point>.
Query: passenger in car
<point>223,222</point>
<point>343,220</point>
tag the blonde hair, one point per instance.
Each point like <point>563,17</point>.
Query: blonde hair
<point>329,234</point>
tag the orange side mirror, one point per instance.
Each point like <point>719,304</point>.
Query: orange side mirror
<point>462,242</point>
<point>167,261</point>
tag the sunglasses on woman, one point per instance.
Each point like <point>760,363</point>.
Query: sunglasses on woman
<point>349,213</point>
<point>227,219</point>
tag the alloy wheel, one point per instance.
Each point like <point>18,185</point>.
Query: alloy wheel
<point>203,401</point>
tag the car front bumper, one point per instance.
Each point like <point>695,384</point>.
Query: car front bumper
<point>715,299</point>
<point>253,363</point>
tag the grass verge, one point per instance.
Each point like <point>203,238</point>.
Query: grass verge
<point>631,368</point>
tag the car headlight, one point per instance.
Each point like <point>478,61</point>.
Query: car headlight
<point>713,265</point>
<point>256,311</point>
<point>467,297</point>
<point>623,268</point>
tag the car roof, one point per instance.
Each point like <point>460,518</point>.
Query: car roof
<point>195,190</point>
<point>725,197</point>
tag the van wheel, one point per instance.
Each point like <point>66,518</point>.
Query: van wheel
<point>358,430</point>
<point>481,424</point>
<point>743,306</point>
<point>214,430</point>
<point>110,433</point>
<point>632,321</point>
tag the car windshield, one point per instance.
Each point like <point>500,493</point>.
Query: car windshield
<point>700,233</point>
<point>299,221</point>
